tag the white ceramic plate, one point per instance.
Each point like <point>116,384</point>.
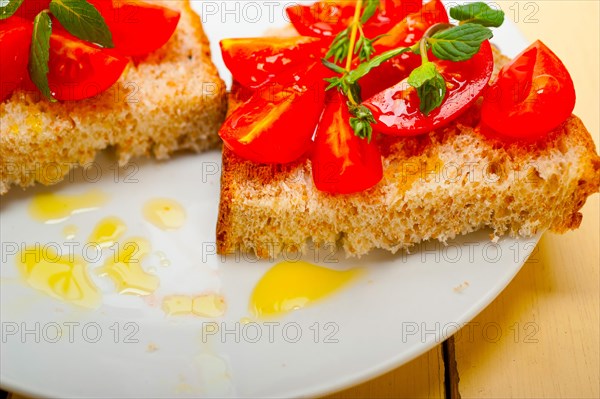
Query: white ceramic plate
<point>401,307</point>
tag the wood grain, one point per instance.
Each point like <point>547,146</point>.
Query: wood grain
<point>549,315</point>
<point>421,378</point>
<point>539,338</point>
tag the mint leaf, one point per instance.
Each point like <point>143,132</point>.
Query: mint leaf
<point>364,68</point>
<point>82,20</point>
<point>459,43</point>
<point>369,10</point>
<point>430,85</point>
<point>478,13</point>
<point>9,7</point>
<point>40,53</point>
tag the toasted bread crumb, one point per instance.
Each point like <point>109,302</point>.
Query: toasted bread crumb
<point>461,287</point>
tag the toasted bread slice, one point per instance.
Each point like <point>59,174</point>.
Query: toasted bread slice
<point>436,186</point>
<point>171,100</point>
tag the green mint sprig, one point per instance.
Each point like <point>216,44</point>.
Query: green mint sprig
<point>340,47</point>
<point>451,43</point>
<point>349,78</point>
<point>445,41</point>
<point>347,83</point>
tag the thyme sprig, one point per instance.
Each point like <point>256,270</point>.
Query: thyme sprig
<point>445,41</point>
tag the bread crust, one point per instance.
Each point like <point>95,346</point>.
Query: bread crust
<point>436,186</point>
<point>171,100</point>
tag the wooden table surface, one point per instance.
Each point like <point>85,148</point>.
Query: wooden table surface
<point>542,333</point>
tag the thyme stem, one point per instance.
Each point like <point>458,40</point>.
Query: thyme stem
<point>355,22</point>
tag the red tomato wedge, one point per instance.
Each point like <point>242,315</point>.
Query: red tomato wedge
<point>138,27</point>
<point>396,109</point>
<point>327,18</point>
<point>276,125</point>
<point>411,29</point>
<point>322,19</point>
<point>343,163</point>
<point>80,70</point>
<point>256,61</point>
<point>390,13</point>
<point>532,95</point>
<point>15,39</point>
<point>30,8</point>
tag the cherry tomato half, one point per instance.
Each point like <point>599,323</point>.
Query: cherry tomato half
<point>532,95</point>
<point>390,13</point>
<point>30,8</point>
<point>343,163</point>
<point>411,29</point>
<point>15,39</point>
<point>78,69</point>
<point>406,33</point>
<point>388,74</point>
<point>327,18</point>
<point>396,109</point>
<point>138,27</point>
<point>276,124</point>
<point>256,61</point>
<point>322,19</point>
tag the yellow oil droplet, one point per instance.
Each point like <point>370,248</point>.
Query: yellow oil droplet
<point>245,320</point>
<point>70,231</point>
<point>124,267</point>
<point>290,286</point>
<point>177,305</point>
<point>63,277</point>
<point>166,214</point>
<point>107,232</point>
<point>210,305</point>
<point>54,208</point>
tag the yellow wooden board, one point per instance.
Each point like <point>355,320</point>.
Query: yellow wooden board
<point>539,338</point>
<point>421,378</point>
<point>549,315</point>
